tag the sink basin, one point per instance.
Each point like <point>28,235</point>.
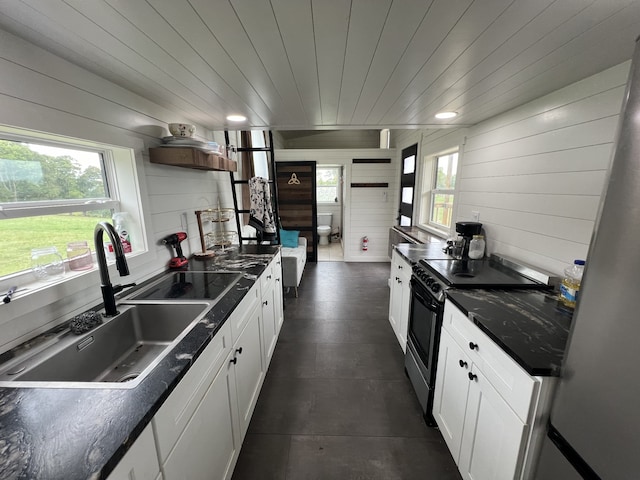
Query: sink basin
<point>119,353</point>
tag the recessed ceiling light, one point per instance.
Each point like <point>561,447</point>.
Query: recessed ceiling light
<point>444,115</point>
<point>236,118</point>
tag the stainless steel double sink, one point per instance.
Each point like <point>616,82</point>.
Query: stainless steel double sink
<point>125,348</point>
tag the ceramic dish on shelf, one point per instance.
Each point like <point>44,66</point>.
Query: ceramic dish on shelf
<point>181,141</point>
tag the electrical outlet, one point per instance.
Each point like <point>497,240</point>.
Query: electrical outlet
<point>475,216</point>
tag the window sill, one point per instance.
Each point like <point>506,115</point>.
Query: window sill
<point>444,234</point>
<point>28,286</point>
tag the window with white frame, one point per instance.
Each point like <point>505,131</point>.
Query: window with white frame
<point>328,185</point>
<point>438,188</point>
<point>52,193</point>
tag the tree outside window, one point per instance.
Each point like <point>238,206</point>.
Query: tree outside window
<point>328,184</point>
<point>443,189</point>
<point>49,196</point>
<point>437,192</point>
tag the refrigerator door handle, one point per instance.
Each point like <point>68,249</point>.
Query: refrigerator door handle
<point>571,455</point>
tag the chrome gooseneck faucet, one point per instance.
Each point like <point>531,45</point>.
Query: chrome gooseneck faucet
<point>108,290</point>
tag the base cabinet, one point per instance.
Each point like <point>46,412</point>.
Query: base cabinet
<point>197,433</point>
<point>210,443</point>
<point>400,297</point>
<point>492,442</point>
<point>200,427</point>
<point>489,410</point>
<point>140,462</point>
<point>249,367</point>
<point>272,311</point>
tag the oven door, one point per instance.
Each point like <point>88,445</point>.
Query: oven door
<point>425,322</point>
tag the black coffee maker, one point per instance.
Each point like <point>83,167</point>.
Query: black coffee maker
<point>466,230</point>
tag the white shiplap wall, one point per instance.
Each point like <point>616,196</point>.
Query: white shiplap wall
<point>40,91</point>
<point>365,210</point>
<point>535,174</point>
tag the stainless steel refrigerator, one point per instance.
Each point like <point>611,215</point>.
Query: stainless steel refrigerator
<point>594,429</point>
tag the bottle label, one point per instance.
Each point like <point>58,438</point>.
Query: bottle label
<point>124,238</point>
<point>568,293</point>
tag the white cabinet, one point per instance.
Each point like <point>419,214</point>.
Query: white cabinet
<point>200,427</point>
<point>400,297</point>
<point>278,289</point>
<point>492,443</point>
<point>250,369</point>
<point>209,445</point>
<point>452,387</point>
<point>272,311</point>
<point>140,462</point>
<point>490,411</point>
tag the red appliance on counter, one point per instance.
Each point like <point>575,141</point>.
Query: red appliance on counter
<point>179,261</point>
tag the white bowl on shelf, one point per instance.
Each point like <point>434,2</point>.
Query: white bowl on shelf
<point>182,130</point>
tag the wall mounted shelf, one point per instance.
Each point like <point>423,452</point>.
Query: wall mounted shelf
<point>191,158</point>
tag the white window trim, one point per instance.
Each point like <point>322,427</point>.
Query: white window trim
<point>338,185</point>
<point>430,161</point>
<point>122,177</point>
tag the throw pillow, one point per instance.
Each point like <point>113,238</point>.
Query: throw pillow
<point>289,238</point>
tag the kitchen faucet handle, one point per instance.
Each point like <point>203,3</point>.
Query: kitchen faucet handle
<point>119,288</point>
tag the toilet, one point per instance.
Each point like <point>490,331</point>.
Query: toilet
<point>324,228</point>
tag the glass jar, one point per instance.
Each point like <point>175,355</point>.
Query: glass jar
<point>79,255</point>
<point>47,263</point>
<point>476,247</point>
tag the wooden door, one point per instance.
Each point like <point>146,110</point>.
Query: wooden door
<point>297,201</point>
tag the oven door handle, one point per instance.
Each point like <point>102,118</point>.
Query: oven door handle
<point>427,302</point>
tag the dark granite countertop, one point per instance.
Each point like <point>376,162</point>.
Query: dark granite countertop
<point>529,325</point>
<point>80,433</point>
<point>417,235</point>
<point>414,252</point>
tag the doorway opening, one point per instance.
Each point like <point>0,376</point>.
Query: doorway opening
<point>329,198</point>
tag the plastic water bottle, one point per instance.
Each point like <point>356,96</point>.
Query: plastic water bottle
<point>570,286</point>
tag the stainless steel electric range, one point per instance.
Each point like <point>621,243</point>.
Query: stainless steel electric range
<point>429,283</point>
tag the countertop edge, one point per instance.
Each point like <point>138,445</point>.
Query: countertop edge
<point>130,410</point>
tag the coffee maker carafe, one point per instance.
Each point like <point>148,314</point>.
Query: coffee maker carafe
<point>466,230</point>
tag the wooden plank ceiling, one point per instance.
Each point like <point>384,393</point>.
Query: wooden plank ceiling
<point>333,64</point>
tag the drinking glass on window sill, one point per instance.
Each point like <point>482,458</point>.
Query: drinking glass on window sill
<point>46,263</point>
<point>79,255</point>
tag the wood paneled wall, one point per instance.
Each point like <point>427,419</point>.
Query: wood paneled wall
<point>366,211</point>
<point>40,91</point>
<point>536,173</point>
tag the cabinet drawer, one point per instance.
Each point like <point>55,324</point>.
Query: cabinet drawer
<point>176,411</point>
<point>515,385</point>
<point>267,277</point>
<point>239,317</point>
<point>277,266</point>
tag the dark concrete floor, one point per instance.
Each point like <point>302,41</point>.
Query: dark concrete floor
<point>336,403</point>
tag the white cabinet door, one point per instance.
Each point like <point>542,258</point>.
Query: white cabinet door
<point>209,445</point>
<point>278,297</point>
<point>450,396</point>
<point>395,303</point>
<point>248,361</point>
<point>493,437</point>
<point>269,321</point>
<point>140,462</point>
<point>173,416</point>
<point>405,306</point>
<point>400,298</point>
